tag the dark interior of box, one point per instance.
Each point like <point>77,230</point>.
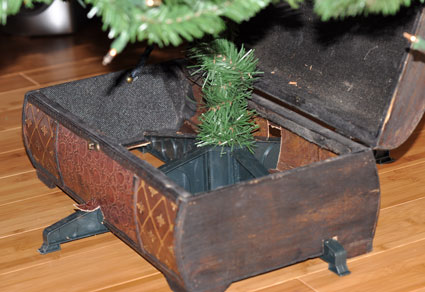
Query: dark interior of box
<point>342,72</point>
<point>155,103</point>
<point>130,114</point>
<point>161,98</point>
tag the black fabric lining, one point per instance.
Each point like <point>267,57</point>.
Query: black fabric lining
<point>160,99</point>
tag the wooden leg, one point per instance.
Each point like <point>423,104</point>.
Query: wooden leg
<point>178,288</point>
<point>174,286</point>
<point>45,179</point>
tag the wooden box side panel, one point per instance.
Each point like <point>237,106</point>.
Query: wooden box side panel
<point>138,212</point>
<point>408,103</point>
<point>40,138</point>
<point>250,228</point>
<point>98,180</point>
<point>156,216</point>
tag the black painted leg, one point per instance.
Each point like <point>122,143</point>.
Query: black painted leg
<point>383,156</point>
<point>45,179</point>
<point>77,225</point>
<point>335,254</point>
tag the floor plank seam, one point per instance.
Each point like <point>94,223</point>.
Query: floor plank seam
<point>403,203</point>
<point>126,282</point>
<point>13,150</point>
<point>29,78</point>
<point>375,253</point>
<point>56,259</point>
<point>67,80</point>
<point>22,232</point>
<point>26,267</point>
<point>6,92</point>
<point>19,173</point>
<point>277,283</point>
<point>10,129</point>
<point>66,64</point>
<point>51,83</point>
<point>8,75</point>
<point>73,79</point>
<point>308,285</point>
<point>384,171</point>
<point>29,198</point>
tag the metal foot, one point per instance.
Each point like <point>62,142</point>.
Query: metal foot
<point>383,156</point>
<point>335,254</point>
<point>77,225</point>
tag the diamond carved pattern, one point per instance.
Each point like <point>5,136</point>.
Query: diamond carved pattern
<point>156,215</point>
<point>40,135</point>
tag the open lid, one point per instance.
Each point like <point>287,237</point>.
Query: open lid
<point>356,75</point>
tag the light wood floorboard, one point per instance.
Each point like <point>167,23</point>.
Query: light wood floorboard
<point>22,186</point>
<point>11,140</point>
<point>400,269</point>
<point>14,81</point>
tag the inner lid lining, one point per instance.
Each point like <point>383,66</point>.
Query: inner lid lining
<point>342,72</point>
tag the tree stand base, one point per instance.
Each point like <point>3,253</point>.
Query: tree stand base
<point>335,254</point>
<point>76,226</point>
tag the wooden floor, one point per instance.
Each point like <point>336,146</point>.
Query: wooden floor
<point>104,263</point>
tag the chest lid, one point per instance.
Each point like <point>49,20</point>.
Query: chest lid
<point>357,75</point>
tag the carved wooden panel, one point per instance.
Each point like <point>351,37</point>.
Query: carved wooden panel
<point>156,215</point>
<point>99,180</point>
<point>40,136</point>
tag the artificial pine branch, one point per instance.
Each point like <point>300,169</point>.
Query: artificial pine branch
<point>229,75</point>
<point>166,22</point>
<point>172,21</point>
<point>328,9</point>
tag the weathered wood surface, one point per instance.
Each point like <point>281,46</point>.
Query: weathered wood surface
<point>279,220</point>
<point>355,75</point>
<point>408,104</point>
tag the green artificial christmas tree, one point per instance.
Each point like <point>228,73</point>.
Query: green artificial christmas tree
<point>170,22</point>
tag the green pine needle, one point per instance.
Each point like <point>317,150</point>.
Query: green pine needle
<point>229,75</point>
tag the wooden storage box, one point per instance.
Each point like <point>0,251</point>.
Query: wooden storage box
<point>322,84</point>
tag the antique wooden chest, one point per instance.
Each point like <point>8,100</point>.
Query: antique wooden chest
<point>331,93</point>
